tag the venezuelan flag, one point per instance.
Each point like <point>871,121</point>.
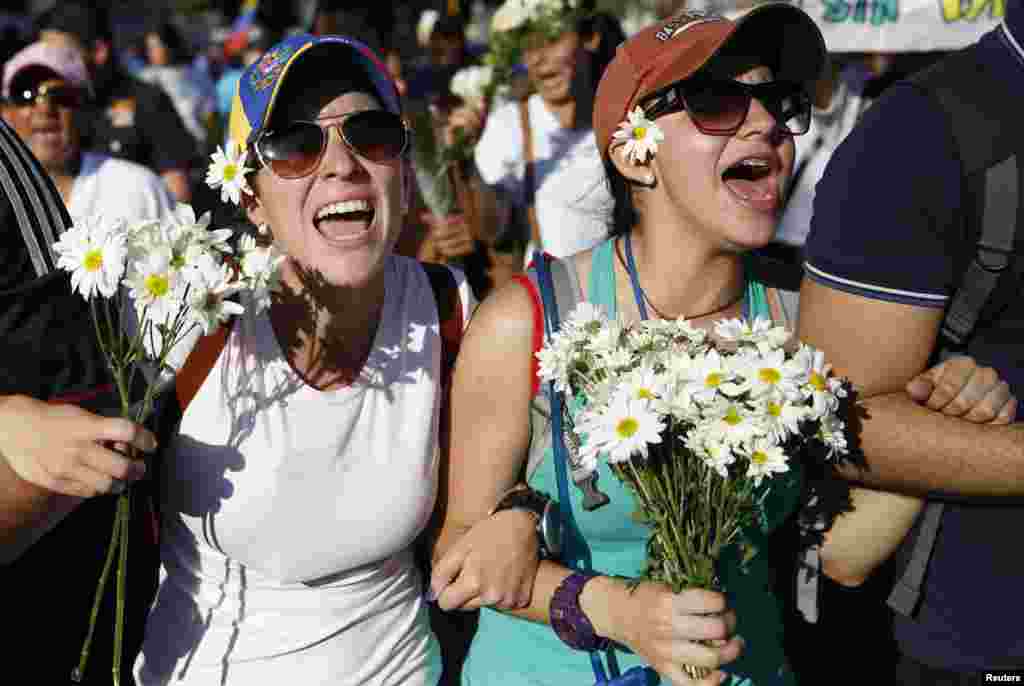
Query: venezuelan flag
<point>246,15</point>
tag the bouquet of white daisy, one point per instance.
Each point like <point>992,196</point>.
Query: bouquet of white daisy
<point>696,425</point>
<point>153,287</point>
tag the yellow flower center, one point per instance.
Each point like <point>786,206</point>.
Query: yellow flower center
<point>230,172</point>
<point>817,381</point>
<point>769,376</point>
<point>644,394</point>
<point>759,457</point>
<point>157,285</point>
<point>732,417</point>
<point>713,380</point>
<point>775,410</point>
<point>627,427</point>
<point>93,261</point>
<point>639,132</point>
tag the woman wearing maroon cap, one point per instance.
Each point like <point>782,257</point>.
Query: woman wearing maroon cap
<point>694,118</point>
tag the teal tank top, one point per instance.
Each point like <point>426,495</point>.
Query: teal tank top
<point>508,651</point>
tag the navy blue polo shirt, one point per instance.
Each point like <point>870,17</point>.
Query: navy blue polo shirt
<point>888,225</point>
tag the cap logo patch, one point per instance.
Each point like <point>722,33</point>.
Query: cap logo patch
<point>683,21</point>
<point>269,67</point>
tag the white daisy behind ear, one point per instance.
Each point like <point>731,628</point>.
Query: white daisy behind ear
<point>227,172</point>
<point>640,135</point>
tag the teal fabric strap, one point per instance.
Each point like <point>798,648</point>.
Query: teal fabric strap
<point>601,289</point>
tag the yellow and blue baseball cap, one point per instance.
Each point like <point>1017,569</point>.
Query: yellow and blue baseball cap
<point>261,81</point>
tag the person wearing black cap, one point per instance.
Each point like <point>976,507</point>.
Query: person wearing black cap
<point>894,245</point>
<point>127,118</point>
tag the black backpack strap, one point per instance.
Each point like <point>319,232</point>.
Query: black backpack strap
<point>993,254</point>
<point>906,593</point>
<point>449,315</point>
<point>984,116</point>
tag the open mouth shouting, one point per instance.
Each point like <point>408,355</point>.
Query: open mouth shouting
<point>754,181</point>
<point>345,222</point>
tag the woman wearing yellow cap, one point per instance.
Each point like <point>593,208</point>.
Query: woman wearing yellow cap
<point>306,463</point>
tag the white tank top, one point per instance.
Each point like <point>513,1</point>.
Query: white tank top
<point>288,513</point>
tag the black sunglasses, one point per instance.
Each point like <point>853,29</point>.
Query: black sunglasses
<point>61,95</point>
<point>719,107</point>
<point>297,149</point>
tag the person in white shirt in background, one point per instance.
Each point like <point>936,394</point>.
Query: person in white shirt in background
<point>569,192</point>
<point>43,87</point>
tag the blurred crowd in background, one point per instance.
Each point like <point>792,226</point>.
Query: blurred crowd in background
<point>193,52</point>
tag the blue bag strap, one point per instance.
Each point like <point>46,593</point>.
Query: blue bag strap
<point>575,553</point>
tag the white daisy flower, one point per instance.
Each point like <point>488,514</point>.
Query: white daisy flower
<point>639,135</point>
<point>782,418</point>
<point>94,252</point>
<point>199,229</point>
<point>706,375</point>
<point>769,373</point>
<point>586,317</point>
<point>729,421</point>
<point>471,84</point>
<point>554,366</point>
<point>618,359</point>
<point>832,432</point>
<point>644,383</point>
<point>760,332</point>
<point>154,285</point>
<point>227,172</point>
<point>606,339</point>
<point>819,386</point>
<point>510,16</point>
<point>625,428</point>
<point>260,270</point>
<point>715,454</point>
<point>766,458</point>
<point>211,285</point>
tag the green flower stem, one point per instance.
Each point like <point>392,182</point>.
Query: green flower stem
<point>124,513</point>
<point>115,538</point>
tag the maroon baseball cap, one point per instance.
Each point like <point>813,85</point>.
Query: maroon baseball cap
<point>675,49</point>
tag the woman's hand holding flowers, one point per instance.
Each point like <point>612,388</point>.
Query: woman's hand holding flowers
<point>668,630</point>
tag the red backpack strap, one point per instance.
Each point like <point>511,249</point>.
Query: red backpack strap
<point>527,282</point>
<point>199,363</point>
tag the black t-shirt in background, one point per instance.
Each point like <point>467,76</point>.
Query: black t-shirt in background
<point>136,121</point>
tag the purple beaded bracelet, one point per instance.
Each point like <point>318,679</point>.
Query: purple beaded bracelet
<point>568,620</point>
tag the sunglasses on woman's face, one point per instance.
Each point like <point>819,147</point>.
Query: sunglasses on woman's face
<point>719,108</point>
<point>60,95</point>
<point>297,149</point>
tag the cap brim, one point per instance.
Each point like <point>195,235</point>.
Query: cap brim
<point>785,37</point>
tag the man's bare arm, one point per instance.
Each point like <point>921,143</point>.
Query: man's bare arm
<point>880,346</point>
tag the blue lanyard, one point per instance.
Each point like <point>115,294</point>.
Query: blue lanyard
<point>638,293</point>
<point>634,278</point>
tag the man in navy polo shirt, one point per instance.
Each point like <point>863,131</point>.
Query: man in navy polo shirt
<point>885,252</point>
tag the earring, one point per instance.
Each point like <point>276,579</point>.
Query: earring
<point>263,229</point>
